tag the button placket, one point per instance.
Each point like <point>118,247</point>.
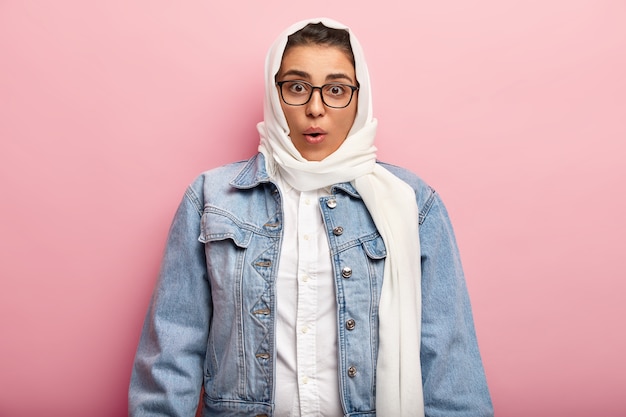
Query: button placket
<point>306,269</point>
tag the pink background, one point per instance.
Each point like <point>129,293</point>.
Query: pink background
<point>515,111</point>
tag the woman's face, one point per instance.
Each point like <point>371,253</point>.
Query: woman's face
<point>315,129</point>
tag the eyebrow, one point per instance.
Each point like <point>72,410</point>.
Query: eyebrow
<point>329,77</point>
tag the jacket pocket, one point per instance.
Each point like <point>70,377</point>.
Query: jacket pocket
<point>226,240</point>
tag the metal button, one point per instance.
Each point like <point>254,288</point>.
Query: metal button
<point>352,372</point>
<point>346,272</point>
<point>338,231</point>
<point>350,324</point>
<point>331,203</point>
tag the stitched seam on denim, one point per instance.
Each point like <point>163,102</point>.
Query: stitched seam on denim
<point>354,242</point>
<point>243,174</point>
<point>428,205</point>
<point>193,198</point>
<point>345,187</point>
<point>239,223</point>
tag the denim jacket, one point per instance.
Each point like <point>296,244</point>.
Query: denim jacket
<point>211,322</point>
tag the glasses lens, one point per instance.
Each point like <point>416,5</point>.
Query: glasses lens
<point>337,95</point>
<point>296,93</point>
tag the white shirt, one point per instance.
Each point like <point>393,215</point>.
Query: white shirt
<point>307,382</point>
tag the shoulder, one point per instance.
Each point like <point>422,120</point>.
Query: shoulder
<point>224,173</point>
<point>405,175</point>
<point>214,181</point>
<point>425,194</point>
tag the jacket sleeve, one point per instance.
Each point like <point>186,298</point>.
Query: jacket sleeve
<point>453,377</point>
<point>167,373</point>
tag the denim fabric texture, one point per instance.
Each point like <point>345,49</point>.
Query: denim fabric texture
<point>211,321</point>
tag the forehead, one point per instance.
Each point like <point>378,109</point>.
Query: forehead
<point>316,62</point>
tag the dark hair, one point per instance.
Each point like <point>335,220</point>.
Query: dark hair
<point>319,34</point>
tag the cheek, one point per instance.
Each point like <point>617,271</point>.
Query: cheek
<point>349,121</point>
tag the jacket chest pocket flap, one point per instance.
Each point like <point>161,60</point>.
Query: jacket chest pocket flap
<point>219,225</point>
<point>375,248</point>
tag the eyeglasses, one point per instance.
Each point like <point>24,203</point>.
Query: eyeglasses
<point>298,93</point>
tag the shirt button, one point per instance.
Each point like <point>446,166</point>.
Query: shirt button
<point>331,203</point>
<point>352,371</point>
<point>338,231</point>
<point>304,329</point>
<point>305,278</point>
<point>307,201</point>
<point>346,272</point>
<point>350,324</point>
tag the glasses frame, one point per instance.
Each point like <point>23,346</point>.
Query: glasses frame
<point>313,88</point>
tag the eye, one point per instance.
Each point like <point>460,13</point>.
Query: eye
<point>298,87</point>
<point>336,90</point>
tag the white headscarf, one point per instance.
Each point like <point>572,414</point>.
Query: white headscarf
<point>392,205</point>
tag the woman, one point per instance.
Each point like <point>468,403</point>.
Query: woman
<point>311,280</point>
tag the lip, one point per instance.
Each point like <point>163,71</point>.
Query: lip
<point>314,135</point>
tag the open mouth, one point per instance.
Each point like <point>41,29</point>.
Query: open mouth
<point>314,137</point>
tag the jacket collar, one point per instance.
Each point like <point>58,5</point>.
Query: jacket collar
<point>252,174</point>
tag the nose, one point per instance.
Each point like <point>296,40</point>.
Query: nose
<point>315,107</point>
